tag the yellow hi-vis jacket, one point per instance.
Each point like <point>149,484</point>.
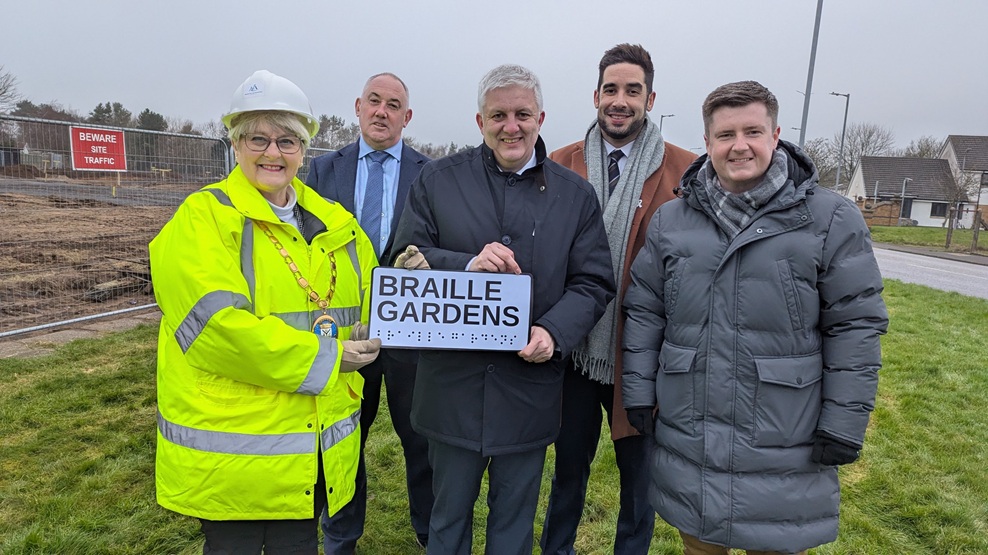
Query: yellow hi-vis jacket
<point>247,393</point>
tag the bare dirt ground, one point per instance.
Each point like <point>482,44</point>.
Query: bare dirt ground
<point>63,258</point>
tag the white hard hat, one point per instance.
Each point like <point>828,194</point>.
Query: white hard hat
<point>266,91</point>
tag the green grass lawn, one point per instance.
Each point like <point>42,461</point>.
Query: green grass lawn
<point>77,451</point>
<point>929,237</point>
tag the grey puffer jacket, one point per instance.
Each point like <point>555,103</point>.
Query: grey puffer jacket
<point>748,347</point>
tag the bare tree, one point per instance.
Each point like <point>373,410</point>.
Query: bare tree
<point>335,132</point>
<point>862,139</point>
<point>824,157</point>
<point>926,146</point>
<point>957,187</point>
<point>213,129</point>
<point>429,149</point>
<point>183,126</point>
<point>8,91</point>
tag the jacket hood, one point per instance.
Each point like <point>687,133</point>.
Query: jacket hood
<point>247,200</point>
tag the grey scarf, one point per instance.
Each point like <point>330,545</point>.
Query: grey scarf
<point>734,211</point>
<point>595,354</point>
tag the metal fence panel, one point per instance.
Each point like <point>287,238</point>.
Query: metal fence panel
<point>74,243</point>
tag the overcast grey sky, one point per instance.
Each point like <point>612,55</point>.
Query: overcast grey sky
<point>915,66</point>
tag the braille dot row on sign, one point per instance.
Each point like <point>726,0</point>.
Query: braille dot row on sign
<point>428,337</point>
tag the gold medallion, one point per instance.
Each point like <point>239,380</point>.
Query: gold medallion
<point>325,326</point>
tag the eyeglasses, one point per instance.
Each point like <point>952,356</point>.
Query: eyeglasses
<point>259,143</point>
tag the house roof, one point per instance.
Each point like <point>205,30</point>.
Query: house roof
<point>971,151</point>
<point>931,177</point>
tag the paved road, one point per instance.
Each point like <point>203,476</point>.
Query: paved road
<point>946,275</point>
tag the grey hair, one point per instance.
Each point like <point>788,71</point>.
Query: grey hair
<point>508,75</point>
<point>249,122</point>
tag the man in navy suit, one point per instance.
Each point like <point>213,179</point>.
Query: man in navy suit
<point>349,176</point>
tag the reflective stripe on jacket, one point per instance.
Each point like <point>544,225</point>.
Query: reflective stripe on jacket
<point>246,390</point>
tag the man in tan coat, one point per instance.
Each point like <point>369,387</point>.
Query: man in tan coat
<point>633,171</point>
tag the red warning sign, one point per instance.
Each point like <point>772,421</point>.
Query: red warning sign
<point>98,149</point>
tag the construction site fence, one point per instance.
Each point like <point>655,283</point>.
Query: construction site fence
<point>74,242</point>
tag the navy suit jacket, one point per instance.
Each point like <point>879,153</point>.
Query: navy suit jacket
<point>334,176</point>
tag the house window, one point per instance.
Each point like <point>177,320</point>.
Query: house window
<point>938,210</point>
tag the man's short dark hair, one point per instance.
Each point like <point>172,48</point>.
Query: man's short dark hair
<point>628,54</point>
<point>736,95</point>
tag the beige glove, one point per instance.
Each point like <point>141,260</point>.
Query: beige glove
<point>357,354</point>
<point>359,332</point>
<point>412,259</point>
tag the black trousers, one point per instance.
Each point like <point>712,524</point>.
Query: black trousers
<point>513,495</point>
<point>275,537</point>
<point>342,530</point>
<point>248,537</point>
<point>576,448</point>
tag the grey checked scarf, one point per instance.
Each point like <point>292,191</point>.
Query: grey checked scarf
<point>734,211</point>
<point>595,354</point>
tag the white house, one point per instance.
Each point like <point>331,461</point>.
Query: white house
<point>968,158</point>
<point>925,186</point>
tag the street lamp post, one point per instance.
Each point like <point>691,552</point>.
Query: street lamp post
<point>976,225</point>
<point>902,202</point>
<point>809,75</point>
<point>662,117</point>
<point>976,222</point>
<point>840,153</point>
<point>963,185</point>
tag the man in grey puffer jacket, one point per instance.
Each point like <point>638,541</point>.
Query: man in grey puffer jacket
<point>753,324</point>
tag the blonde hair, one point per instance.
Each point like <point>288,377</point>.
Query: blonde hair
<point>249,122</point>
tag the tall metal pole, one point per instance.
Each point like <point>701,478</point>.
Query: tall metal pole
<point>902,202</point>
<point>964,182</point>
<point>809,75</point>
<point>977,214</point>
<point>662,117</point>
<point>840,155</point>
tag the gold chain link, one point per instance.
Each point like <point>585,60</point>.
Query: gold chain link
<point>302,282</point>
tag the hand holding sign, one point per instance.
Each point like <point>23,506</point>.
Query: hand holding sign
<point>412,259</point>
<point>357,354</point>
<point>359,332</point>
<point>540,346</point>
<point>495,258</point>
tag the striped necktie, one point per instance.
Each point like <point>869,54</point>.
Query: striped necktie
<point>370,214</point>
<point>613,172</point>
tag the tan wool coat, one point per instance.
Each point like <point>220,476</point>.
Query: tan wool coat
<point>657,190</point>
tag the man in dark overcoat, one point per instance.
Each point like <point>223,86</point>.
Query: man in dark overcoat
<point>503,207</point>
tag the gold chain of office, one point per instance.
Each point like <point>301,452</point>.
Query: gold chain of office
<point>302,282</point>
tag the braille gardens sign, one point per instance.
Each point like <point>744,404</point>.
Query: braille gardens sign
<point>437,309</point>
